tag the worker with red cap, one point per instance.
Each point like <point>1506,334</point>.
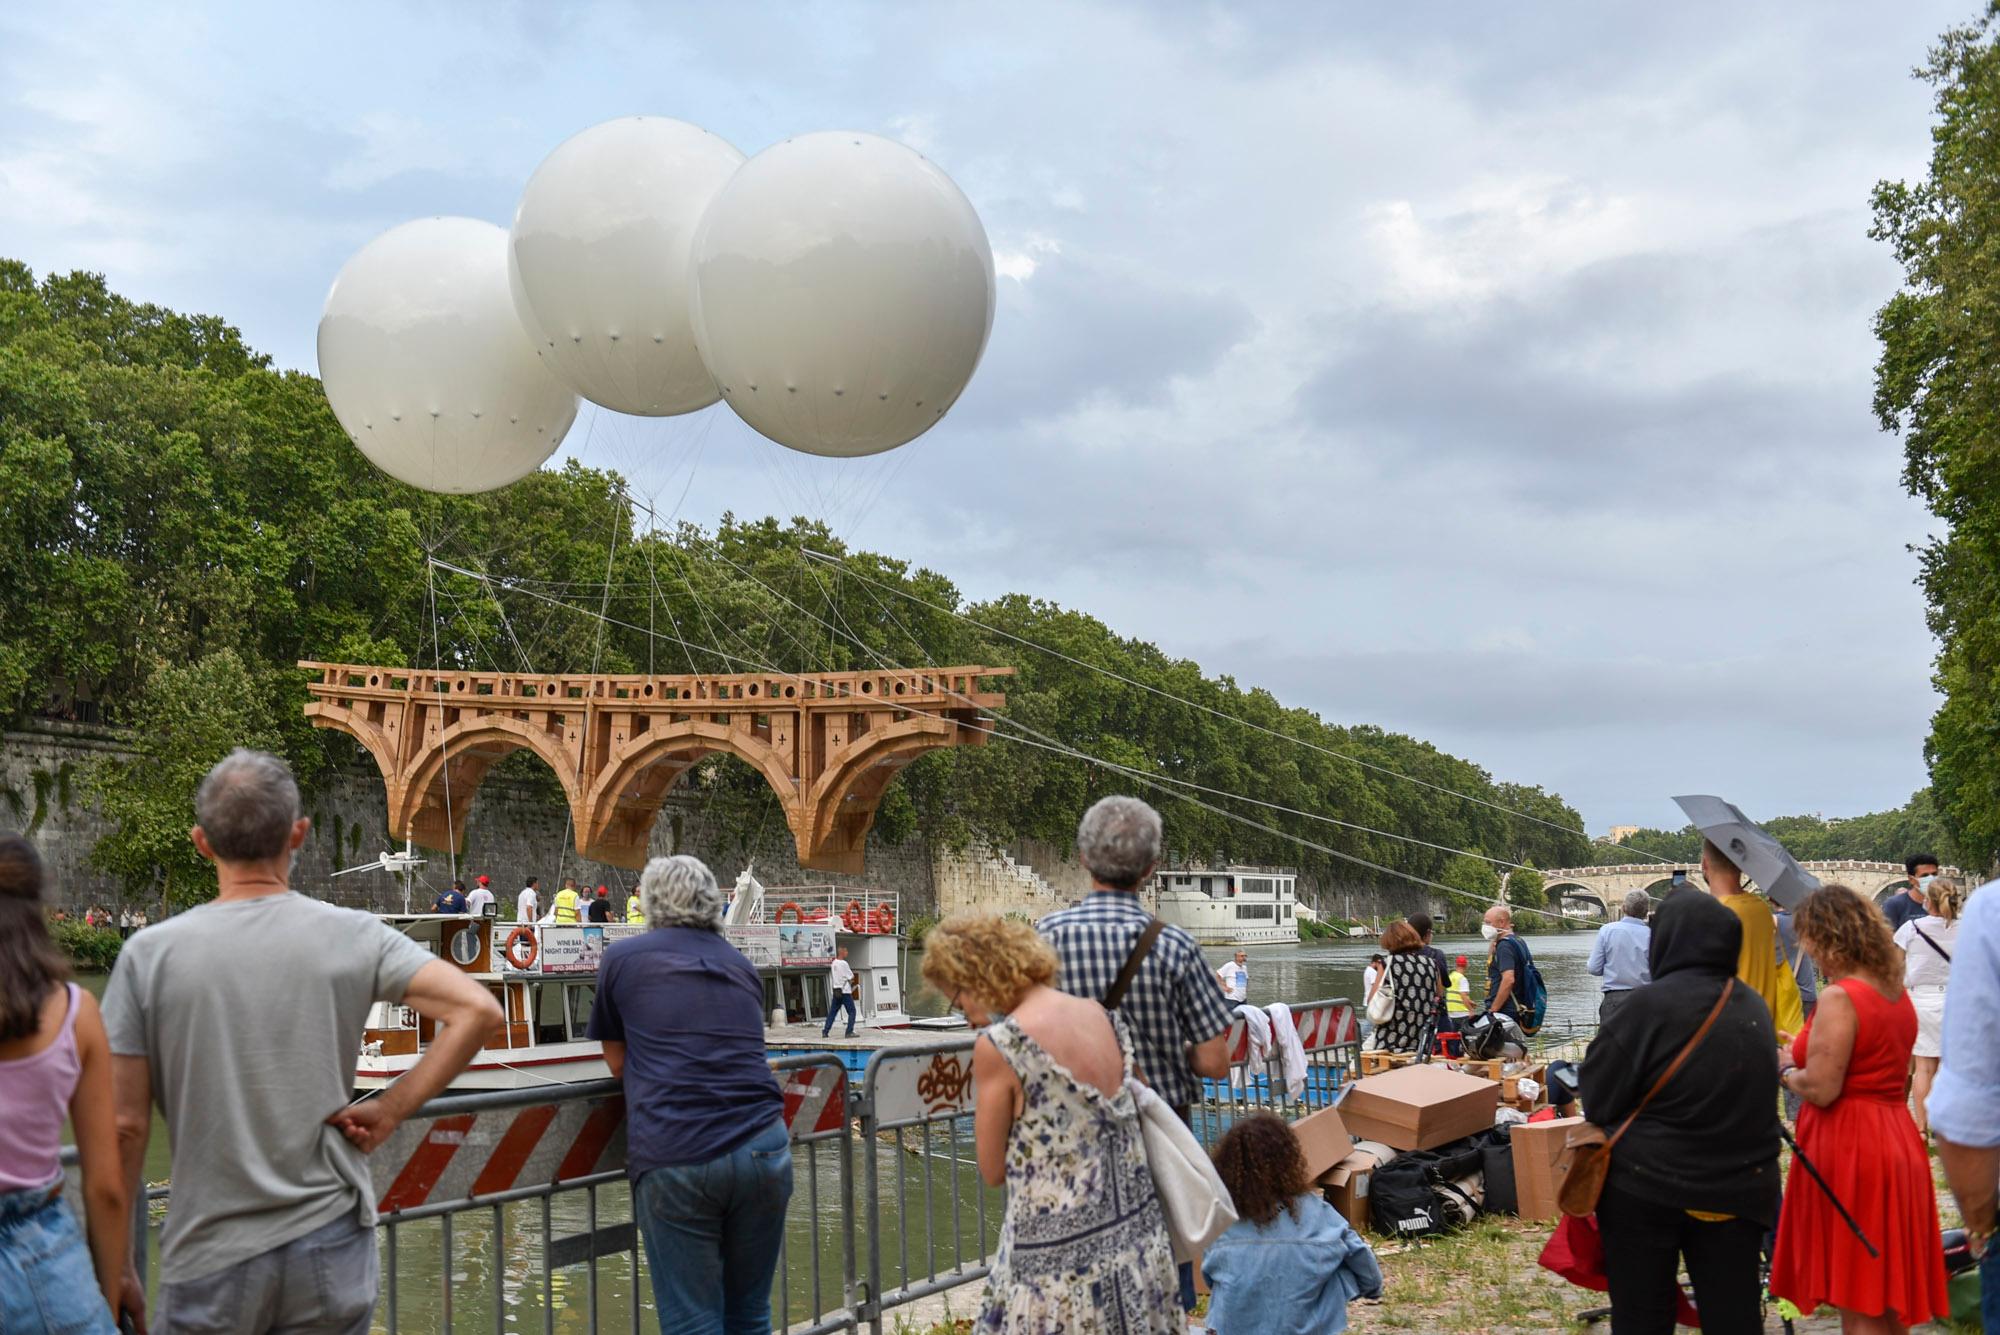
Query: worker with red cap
<point>480,901</point>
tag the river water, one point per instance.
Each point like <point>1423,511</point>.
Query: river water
<point>915,1182</point>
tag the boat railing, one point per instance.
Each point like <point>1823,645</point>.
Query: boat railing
<point>847,908</point>
<point>498,1210</point>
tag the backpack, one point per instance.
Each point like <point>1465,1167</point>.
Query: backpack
<point>1403,1202</point>
<point>1531,991</point>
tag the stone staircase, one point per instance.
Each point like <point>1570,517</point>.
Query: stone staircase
<point>981,879</point>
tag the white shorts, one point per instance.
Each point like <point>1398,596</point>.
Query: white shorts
<point>1929,1004</point>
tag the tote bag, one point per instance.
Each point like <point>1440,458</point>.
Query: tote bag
<point>1192,1196</point>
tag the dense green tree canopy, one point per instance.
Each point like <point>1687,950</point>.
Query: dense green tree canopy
<point>1938,382</point>
<point>179,522</point>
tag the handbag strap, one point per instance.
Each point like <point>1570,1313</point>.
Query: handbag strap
<point>1677,1062</point>
<point>1130,969</point>
<point>1933,945</point>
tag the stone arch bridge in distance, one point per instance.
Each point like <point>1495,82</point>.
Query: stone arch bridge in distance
<point>1594,892</point>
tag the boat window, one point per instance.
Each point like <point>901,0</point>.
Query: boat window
<point>1208,885</point>
<point>581,999</point>
<point>549,1026</point>
<point>1256,910</point>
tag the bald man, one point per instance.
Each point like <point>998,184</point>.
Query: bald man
<point>1503,961</point>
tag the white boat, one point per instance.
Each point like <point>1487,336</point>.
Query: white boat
<point>1234,905</point>
<point>544,975</point>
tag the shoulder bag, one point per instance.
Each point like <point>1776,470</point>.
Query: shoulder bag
<point>1932,944</point>
<point>1586,1155</point>
<point>1192,1197</point>
<point>1382,1001</point>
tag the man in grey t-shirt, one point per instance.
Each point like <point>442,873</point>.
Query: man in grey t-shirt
<point>244,1019</point>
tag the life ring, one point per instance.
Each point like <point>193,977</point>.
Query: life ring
<point>885,918</point>
<point>790,906</point>
<point>522,960</point>
<point>852,918</point>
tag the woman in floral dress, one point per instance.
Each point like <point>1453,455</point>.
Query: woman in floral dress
<point>1084,1245</point>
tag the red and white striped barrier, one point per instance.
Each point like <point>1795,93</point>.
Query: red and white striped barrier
<point>462,1155</point>
<point>815,1099</point>
<point>1321,1025</point>
<point>477,1154</point>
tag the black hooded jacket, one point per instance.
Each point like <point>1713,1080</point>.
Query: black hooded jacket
<point>1709,1140</point>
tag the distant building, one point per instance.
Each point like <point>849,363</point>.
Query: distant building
<point>1620,833</point>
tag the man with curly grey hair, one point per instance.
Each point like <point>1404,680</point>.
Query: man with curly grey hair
<point>1174,1005</point>
<point>680,1012</point>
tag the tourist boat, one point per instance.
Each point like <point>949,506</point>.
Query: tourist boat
<point>544,975</point>
<point>1233,905</point>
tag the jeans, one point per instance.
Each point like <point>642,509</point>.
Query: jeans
<point>1185,1269</point>
<point>47,1281</point>
<point>1989,1288</point>
<point>712,1233</point>
<point>1643,1247</point>
<point>840,999</point>
<point>1609,1006</point>
<point>321,1284</point>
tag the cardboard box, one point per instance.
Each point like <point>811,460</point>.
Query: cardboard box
<point>1324,1139</point>
<point>1536,1145</point>
<point>1345,1187</point>
<point>1419,1107</point>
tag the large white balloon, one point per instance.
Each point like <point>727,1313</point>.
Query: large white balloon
<point>843,293</point>
<point>427,365</point>
<point>599,261</point>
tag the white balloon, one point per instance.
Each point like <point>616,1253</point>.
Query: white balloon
<point>843,293</point>
<point>427,365</point>
<point>598,258</point>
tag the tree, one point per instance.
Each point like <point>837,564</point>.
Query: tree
<point>1474,876</point>
<point>187,718</point>
<point>1937,381</point>
<point>1525,887</point>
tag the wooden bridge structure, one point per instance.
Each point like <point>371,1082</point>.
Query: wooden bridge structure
<point>828,743</point>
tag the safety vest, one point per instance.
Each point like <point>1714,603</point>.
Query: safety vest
<point>1454,1004</point>
<point>566,906</point>
<point>634,913</point>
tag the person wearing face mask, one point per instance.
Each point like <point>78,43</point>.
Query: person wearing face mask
<point>1922,869</point>
<point>1504,966</point>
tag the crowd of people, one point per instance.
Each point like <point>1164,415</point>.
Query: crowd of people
<point>1084,1017</point>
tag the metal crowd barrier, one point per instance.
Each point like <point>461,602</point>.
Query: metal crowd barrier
<point>490,1202</point>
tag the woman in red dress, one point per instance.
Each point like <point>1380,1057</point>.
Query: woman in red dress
<point>1848,1064</point>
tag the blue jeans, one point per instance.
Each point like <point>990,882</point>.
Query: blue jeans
<point>840,999</point>
<point>712,1232</point>
<point>47,1281</point>
<point>1989,1288</point>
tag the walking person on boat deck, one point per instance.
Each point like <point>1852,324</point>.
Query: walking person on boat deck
<point>243,1018</point>
<point>528,904</point>
<point>840,992</point>
<point>680,1012</point>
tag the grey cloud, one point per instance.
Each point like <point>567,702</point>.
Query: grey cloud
<point>1079,329</point>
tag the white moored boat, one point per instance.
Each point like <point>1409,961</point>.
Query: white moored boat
<point>1231,905</point>
<point>544,975</point>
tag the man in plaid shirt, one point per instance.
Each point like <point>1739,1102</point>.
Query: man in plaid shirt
<point>1174,1007</point>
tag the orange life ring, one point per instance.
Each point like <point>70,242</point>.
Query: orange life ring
<point>522,936</point>
<point>885,918</point>
<point>851,917</point>
<point>790,906</point>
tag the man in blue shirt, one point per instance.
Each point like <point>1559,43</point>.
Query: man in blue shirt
<point>450,901</point>
<point>1908,903</point>
<point>680,1013</point>
<point>1619,954</point>
<point>1967,1089</point>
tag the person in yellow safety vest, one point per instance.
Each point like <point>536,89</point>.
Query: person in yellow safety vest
<point>568,906</point>
<point>633,912</point>
<point>1458,992</point>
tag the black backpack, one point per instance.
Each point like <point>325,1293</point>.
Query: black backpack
<point>1403,1202</point>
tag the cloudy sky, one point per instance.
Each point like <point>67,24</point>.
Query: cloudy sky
<point>1498,374</point>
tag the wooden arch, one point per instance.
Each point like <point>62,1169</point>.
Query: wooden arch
<point>828,743</point>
